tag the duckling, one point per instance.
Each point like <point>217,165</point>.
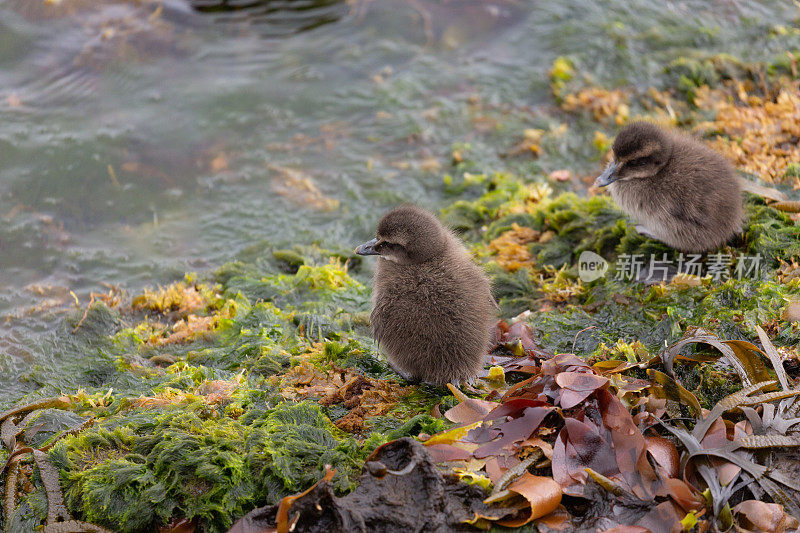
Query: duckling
<point>433,308</point>
<point>682,192</point>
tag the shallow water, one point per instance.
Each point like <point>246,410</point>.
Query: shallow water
<point>141,140</point>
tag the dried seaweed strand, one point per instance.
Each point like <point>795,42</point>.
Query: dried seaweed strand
<point>56,509</point>
<point>57,402</point>
<point>516,471</point>
<point>10,500</point>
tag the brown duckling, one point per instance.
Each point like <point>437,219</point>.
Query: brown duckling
<point>433,308</point>
<point>682,192</point>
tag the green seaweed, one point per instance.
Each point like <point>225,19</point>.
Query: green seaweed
<point>206,437</point>
<point>609,310</point>
<point>138,470</point>
<point>197,427</point>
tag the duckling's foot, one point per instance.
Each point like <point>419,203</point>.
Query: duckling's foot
<point>644,232</point>
<point>469,386</point>
<point>469,382</point>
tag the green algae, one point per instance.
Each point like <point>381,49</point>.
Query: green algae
<point>568,314</point>
<point>166,446</point>
<point>146,464</point>
<point>258,336</point>
<point>562,71</point>
<point>688,73</point>
<point>770,233</point>
<point>355,351</point>
<point>203,434</point>
<point>29,513</point>
<point>137,470</point>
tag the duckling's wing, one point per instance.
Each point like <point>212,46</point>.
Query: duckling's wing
<point>693,212</point>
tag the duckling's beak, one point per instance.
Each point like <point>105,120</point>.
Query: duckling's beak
<point>608,176</point>
<point>368,248</point>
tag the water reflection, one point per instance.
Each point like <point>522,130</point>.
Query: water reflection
<point>277,17</point>
<point>142,139</point>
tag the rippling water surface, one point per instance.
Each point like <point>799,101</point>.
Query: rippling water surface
<point>143,139</point>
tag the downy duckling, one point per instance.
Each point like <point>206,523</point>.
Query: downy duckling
<point>682,192</point>
<point>433,308</point>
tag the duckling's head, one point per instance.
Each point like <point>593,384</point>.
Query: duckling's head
<point>641,150</point>
<point>407,235</point>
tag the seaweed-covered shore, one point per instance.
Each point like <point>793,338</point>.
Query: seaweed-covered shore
<point>194,403</point>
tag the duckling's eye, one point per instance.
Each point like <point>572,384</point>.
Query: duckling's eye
<point>637,162</point>
<point>385,246</point>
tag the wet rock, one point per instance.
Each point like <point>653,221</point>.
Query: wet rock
<point>405,493</point>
